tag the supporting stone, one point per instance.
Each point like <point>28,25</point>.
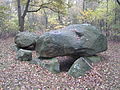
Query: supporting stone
<point>24,55</point>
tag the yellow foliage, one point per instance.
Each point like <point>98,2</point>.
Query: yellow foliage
<point>86,15</point>
<point>58,26</point>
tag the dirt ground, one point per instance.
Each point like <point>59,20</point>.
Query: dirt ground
<point>16,75</point>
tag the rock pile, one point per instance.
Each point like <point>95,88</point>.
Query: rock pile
<point>79,42</point>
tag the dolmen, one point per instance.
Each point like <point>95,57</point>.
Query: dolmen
<point>72,49</point>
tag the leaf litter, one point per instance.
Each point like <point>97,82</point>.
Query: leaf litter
<point>17,75</point>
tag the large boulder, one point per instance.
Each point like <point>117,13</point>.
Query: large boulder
<point>25,39</point>
<point>78,39</point>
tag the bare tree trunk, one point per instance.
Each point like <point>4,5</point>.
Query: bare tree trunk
<point>115,13</point>
<point>21,18</point>
<point>22,24</point>
<point>107,32</point>
<point>46,19</point>
<point>59,18</point>
<point>19,14</point>
<point>83,5</point>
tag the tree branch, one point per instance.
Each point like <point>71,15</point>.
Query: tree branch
<point>35,10</point>
<point>44,5</point>
<point>41,4</point>
<point>92,67</point>
<point>118,2</point>
<point>40,7</point>
<point>34,5</point>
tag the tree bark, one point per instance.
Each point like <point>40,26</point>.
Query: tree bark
<point>21,29</point>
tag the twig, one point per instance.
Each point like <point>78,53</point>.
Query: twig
<point>92,67</point>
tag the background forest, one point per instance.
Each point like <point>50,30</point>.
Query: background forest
<point>47,15</point>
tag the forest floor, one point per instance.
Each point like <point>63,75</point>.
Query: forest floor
<point>17,75</point>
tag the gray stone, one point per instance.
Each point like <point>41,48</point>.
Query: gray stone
<point>94,59</point>
<point>50,64</point>
<point>24,55</point>
<point>79,67</point>
<point>26,39</point>
<point>78,39</point>
<point>14,48</point>
<point>35,61</point>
